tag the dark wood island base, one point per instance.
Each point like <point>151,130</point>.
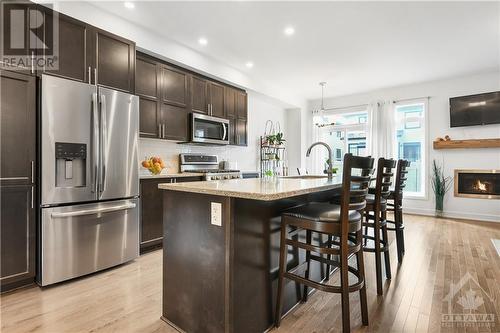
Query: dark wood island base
<point>224,278</point>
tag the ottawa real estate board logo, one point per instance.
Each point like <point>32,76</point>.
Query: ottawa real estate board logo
<point>29,36</point>
<point>469,305</point>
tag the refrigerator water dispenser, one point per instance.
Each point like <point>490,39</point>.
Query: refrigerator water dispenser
<point>70,164</point>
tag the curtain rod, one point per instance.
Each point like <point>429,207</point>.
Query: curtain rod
<point>410,99</point>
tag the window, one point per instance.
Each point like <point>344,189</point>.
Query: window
<point>411,144</point>
<point>338,154</point>
<point>346,131</point>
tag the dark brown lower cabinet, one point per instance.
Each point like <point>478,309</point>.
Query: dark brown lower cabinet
<point>17,236</point>
<point>152,211</point>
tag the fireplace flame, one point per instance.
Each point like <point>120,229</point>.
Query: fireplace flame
<point>480,186</point>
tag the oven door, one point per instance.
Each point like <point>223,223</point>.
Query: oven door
<point>206,129</point>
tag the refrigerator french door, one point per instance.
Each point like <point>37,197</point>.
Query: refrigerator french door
<point>89,179</point>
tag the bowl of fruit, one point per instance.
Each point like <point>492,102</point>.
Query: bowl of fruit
<point>154,164</point>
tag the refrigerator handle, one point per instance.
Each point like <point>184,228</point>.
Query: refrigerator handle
<point>93,211</point>
<point>95,144</point>
<point>104,154</point>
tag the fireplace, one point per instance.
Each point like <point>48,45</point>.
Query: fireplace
<point>483,184</point>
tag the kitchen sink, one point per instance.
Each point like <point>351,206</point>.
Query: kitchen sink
<point>306,177</point>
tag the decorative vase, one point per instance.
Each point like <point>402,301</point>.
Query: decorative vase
<point>439,205</point>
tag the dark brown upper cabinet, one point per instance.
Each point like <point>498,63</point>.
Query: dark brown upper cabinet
<point>168,94</point>
<point>114,61</point>
<point>148,88</point>
<point>241,104</point>
<point>174,122</point>
<point>216,99</point>
<point>199,92</point>
<point>74,53</point>
<point>17,120</point>
<point>229,102</point>
<point>174,87</point>
<point>88,54</point>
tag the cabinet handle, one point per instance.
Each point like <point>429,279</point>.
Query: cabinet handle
<point>95,76</point>
<point>32,171</point>
<point>32,62</point>
<point>32,197</point>
<point>159,131</point>
<point>90,76</point>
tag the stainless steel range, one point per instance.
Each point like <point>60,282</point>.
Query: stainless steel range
<point>208,165</point>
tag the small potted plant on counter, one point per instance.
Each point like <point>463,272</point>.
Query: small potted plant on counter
<point>334,169</point>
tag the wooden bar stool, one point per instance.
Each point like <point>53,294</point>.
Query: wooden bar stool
<point>341,222</point>
<point>395,204</point>
<point>376,219</point>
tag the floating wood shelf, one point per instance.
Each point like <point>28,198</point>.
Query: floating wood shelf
<point>476,143</point>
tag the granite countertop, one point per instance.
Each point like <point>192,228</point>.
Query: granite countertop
<point>266,189</point>
<point>170,175</point>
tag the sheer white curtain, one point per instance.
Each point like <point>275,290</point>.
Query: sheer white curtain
<point>382,130</point>
<point>317,155</point>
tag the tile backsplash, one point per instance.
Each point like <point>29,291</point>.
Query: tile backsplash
<point>247,158</point>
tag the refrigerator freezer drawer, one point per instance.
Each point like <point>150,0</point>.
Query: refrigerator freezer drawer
<point>82,239</point>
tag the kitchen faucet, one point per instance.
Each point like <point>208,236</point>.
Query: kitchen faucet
<point>330,166</point>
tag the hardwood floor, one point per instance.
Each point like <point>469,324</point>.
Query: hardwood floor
<point>439,252</point>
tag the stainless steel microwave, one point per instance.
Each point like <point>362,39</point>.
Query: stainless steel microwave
<point>208,129</point>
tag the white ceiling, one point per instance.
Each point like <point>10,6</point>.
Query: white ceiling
<point>354,46</point>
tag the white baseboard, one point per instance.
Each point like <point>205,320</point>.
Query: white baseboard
<point>458,215</point>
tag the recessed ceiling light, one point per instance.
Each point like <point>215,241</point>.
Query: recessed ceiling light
<point>203,41</point>
<point>129,5</point>
<point>289,31</point>
<point>249,64</point>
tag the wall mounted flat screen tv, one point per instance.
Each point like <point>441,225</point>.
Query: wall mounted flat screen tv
<point>480,109</point>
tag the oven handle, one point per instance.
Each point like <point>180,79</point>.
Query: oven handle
<point>93,211</point>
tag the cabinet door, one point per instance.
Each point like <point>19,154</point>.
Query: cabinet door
<point>232,131</point>
<point>17,121</point>
<point>175,122</point>
<point>17,236</point>
<point>151,213</point>
<point>241,132</point>
<point>199,99</point>
<point>174,86</point>
<point>216,94</point>
<point>147,88</point>
<point>241,104</point>
<point>229,102</point>
<point>74,52</point>
<point>114,59</point>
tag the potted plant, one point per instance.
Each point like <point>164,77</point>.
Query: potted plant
<point>271,139</point>
<point>279,138</point>
<point>440,185</point>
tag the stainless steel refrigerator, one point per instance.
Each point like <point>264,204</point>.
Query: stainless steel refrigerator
<point>89,179</point>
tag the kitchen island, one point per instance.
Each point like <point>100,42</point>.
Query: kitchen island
<point>221,250</point>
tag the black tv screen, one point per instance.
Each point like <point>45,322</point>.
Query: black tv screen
<point>480,109</point>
